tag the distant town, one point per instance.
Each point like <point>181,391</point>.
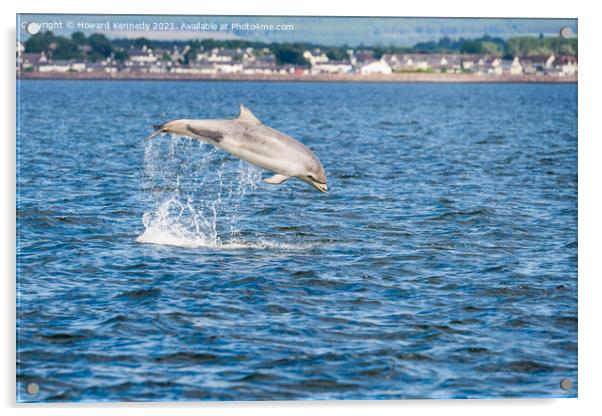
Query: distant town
<point>488,59</point>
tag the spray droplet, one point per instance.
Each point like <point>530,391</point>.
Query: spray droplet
<point>195,193</point>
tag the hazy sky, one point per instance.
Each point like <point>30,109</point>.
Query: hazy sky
<point>401,31</point>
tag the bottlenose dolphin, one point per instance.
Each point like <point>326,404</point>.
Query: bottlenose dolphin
<point>247,138</point>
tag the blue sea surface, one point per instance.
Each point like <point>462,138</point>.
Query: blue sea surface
<point>442,263</point>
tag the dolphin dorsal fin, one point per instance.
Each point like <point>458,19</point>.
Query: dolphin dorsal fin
<point>246,115</point>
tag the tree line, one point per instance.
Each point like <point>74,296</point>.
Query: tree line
<point>98,47</point>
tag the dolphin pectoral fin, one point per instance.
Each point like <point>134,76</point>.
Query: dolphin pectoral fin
<point>246,115</point>
<point>277,179</point>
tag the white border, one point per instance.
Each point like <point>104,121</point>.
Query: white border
<point>590,175</point>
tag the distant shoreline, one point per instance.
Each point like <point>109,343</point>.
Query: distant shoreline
<point>392,78</point>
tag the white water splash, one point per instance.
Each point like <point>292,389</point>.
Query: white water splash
<point>197,194</point>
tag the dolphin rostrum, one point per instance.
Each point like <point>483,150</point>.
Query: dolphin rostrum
<point>247,138</point>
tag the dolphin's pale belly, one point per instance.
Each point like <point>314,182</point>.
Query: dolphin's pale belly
<point>265,148</point>
<point>263,161</point>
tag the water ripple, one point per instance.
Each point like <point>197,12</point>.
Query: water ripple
<point>441,264</point>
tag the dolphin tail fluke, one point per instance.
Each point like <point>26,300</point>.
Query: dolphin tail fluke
<point>159,128</point>
<point>153,135</point>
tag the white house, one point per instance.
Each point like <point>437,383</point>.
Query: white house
<point>315,57</point>
<point>516,68</point>
<point>78,67</point>
<point>444,63</point>
<point>202,56</point>
<point>256,68</point>
<point>142,56</point>
<point>331,67</point>
<point>352,57</point>
<point>220,55</point>
<point>62,66</point>
<point>263,65</point>
<point>485,66</point>
<point>54,68</point>
<point>197,68</point>
<point>567,65</point>
<point>228,67</point>
<point>159,68</point>
<point>512,68</point>
<point>376,67</point>
<point>101,67</point>
<point>538,64</point>
<point>415,62</point>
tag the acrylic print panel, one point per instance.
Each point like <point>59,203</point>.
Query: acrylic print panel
<point>325,208</point>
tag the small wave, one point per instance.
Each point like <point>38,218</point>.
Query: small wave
<point>167,238</point>
<point>141,294</point>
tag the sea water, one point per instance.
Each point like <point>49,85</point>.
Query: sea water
<point>442,263</point>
